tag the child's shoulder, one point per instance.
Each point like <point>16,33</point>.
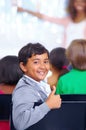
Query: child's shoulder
<point>66,75</point>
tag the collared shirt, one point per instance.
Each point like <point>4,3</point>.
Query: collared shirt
<point>42,84</point>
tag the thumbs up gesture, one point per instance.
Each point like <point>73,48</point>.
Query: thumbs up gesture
<point>53,101</point>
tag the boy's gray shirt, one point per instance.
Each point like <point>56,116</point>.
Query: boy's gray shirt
<point>26,93</point>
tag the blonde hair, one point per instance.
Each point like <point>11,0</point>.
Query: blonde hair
<point>76,53</point>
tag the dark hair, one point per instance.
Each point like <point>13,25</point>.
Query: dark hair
<point>71,9</point>
<point>31,49</point>
<point>76,53</point>
<point>58,59</point>
<point>10,71</point>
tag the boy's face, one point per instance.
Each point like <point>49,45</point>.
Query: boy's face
<point>37,67</point>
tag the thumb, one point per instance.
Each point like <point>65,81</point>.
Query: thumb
<point>53,90</point>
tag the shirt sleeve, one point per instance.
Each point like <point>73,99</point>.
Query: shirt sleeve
<point>24,114</point>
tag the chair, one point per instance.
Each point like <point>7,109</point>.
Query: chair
<point>71,115</point>
<point>5,101</point>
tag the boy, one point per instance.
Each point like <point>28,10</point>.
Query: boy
<point>34,62</point>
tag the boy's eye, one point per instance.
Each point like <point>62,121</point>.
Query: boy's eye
<point>38,62</point>
<point>46,62</point>
<point>35,62</point>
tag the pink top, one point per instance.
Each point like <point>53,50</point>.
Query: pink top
<point>1,92</point>
<point>4,125</point>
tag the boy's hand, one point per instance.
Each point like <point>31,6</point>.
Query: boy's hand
<point>53,101</point>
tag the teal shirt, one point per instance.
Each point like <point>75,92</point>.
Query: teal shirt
<point>74,82</point>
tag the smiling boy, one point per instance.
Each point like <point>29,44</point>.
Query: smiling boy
<point>34,62</point>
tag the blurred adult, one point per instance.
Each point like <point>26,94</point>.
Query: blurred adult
<point>74,23</point>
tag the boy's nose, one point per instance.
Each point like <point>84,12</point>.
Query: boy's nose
<point>42,65</point>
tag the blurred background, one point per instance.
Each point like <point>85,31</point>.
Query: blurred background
<point>18,29</point>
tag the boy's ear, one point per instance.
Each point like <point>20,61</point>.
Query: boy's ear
<point>22,66</point>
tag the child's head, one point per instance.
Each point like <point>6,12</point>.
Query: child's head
<point>75,6</point>
<point>76,54</point>
<point>34,61</point>
<point>58,60</point>
<point>10,72</point>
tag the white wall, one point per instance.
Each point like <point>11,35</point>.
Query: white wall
<point>18,29</point>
